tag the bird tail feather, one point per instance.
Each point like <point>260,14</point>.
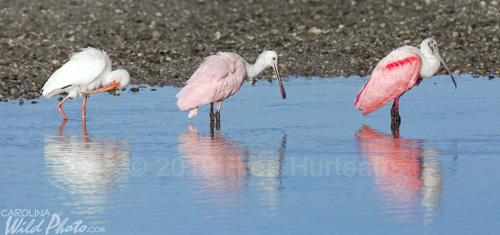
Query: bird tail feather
<point>192,112</point>
<point>188,97</point>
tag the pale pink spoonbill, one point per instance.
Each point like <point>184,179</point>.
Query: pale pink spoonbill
<point>220,76</point>
<point>397,73</point>
<point>87,72</point>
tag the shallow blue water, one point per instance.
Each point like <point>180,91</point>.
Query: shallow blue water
<point>307,164</point>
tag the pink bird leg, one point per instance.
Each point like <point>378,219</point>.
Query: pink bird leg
<point>112,85</point>
<point>84,110</point>
<point>60,109</point>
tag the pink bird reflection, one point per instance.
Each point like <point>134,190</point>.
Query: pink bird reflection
<point>403,176</point>
<point>217,162</point>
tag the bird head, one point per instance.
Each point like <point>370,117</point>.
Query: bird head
<point>118,79</point>
<point>120,76</point>
<point>430,45</point>
<point>271,59</point>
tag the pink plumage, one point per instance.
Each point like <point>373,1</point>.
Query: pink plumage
<point>218,77</point>
<point>397,73</point>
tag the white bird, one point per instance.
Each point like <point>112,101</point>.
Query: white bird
<point>87,72</point>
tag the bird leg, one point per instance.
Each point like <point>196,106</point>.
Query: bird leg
<point>60,109</point>
<point>217,112</point>
<point>212,125</point>
<point>211,112</point>
<point>217,128</point>
<point>395,129</point>
<point>84,111</point>
<point>61,127</point>
<point>396,119</point>
<point>84,128</point>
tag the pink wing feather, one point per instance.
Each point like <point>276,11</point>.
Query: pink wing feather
<point>394,75</point>
<point>217,78</point>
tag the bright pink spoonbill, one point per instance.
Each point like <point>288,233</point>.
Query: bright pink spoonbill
<point>397,73</point>
<point>87,72</point>
<point>220,76</point>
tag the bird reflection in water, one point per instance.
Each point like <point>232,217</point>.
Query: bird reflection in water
<point>87,167</point>
<point>407,176</point>
<point>228,170</point>
<point>217,161</point>
<point>265,172</point>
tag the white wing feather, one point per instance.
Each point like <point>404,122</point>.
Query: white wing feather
<point>81,73</point>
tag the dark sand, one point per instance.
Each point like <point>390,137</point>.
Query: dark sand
<point>162,42</point>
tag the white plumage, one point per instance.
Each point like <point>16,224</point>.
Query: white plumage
<point>83,74</point>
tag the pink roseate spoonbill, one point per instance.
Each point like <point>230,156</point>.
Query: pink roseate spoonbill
<point>397,73</point>
<point>220,76</point>
<point>87,72</point>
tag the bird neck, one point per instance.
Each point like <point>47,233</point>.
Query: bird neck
<point>120,76</point>
<point>108,78</point>
<point>429,64</point>
<point>253,70</point>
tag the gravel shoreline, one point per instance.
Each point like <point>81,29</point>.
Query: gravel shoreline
<point>162,42</point>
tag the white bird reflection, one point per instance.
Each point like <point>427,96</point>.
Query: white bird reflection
<point>265,172</point>
<point>407,176</point>
<point>228,171</point>
<point>87,167</point>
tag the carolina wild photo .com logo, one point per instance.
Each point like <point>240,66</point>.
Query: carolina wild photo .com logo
<point>34,221</point>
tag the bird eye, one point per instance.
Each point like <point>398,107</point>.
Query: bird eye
<point>435,45</point>
<point>274,58</point>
